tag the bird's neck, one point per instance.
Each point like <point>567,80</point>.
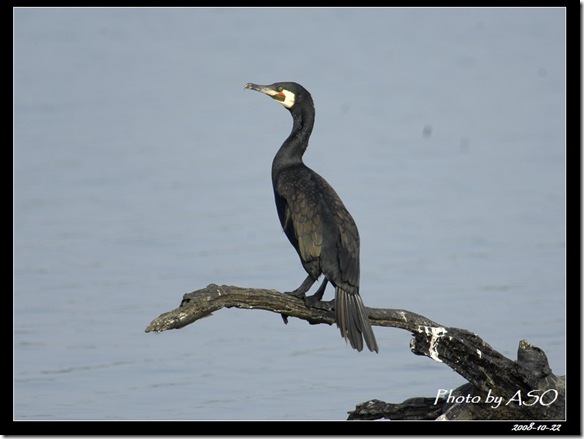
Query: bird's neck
<point>293,148</point>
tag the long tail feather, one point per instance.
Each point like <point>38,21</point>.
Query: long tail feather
<point>352,320</point>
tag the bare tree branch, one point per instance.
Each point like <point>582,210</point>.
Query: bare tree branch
<point>488,372</point>
<point>203,302</point>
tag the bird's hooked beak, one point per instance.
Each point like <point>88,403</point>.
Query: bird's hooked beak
<point>268,90</point>
<point>275,91</point>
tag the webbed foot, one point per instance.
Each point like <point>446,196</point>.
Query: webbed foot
<point>296,293</point>
<point>311,301</point>
<point>300,293</point>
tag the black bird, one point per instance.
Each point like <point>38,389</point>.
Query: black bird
<point>316,221</point>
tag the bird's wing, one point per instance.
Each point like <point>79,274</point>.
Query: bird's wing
<point>348,248</point>
<point>348,242</point>
<point>300,216</point>
<point>304,217</point>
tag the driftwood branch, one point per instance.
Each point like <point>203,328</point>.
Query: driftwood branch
<point>497,388</point>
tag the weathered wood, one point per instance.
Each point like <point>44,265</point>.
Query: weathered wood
<point>519,384</point>
<point>413,409</point>
<point>201,303</point>
<point>480,400</point>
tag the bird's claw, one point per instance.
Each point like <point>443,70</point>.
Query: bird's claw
<point>311,301</point>
<point>296,293</point>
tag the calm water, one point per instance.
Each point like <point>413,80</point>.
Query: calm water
<point>142,172</point>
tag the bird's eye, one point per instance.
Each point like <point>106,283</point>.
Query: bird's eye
<point>280,89</point>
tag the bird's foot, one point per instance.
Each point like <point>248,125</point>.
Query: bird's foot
<point>297,293</point>
<point>311,301</point>
<point>300,295</point>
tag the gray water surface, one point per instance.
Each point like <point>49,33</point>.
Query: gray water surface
<point>142,172</point>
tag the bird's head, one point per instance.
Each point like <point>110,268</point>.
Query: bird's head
<point>286,93</point>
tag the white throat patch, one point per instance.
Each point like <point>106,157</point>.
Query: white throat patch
<point>288,102</point>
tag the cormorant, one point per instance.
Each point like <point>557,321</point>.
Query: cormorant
<point>316,221</point>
